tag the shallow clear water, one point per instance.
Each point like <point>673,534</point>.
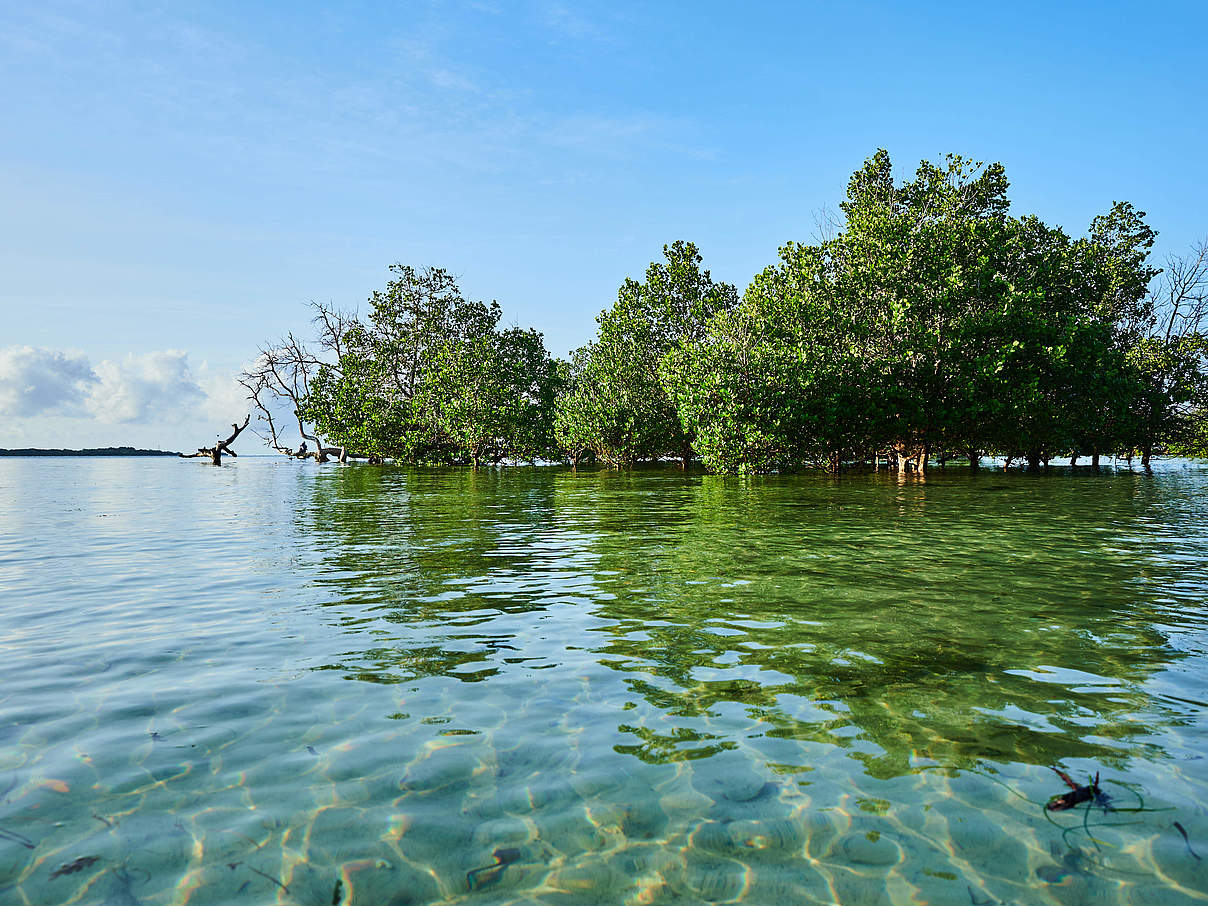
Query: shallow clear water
<point>276,683</point>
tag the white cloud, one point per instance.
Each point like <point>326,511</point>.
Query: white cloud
<point>140,388</point>
<point>54,397</point>
<point>37,381</point>
<point>225,398</point>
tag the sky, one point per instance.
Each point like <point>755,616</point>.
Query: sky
<point>179,180</point>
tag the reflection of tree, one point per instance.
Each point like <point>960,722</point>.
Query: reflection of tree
<point>900,622</point>
<point>411,556</point>
<point>910,616</point>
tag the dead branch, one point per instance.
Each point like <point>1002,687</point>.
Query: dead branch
<point>223,446</point>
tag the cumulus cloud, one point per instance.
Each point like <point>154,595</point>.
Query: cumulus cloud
<point>58,398</point>
<point>146,387</point>
<point>226,398</point>
<point>37,381</point>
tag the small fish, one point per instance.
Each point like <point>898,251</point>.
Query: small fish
<point>1187,840</point>
<point>311,749</point>
<point>339,888</point>
<point>72,867</point>
<point>489,874</point>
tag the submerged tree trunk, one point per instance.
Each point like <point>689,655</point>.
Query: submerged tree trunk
<point>974,460</point>
<point>223,446</point>
<point>1146,452</point>
<point>1033,460</point>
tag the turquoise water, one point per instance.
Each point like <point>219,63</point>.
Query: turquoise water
<point>276,683</point>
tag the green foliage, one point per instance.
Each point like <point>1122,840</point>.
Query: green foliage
<point>431,378</point>
<point>616,404</point>
<point>933,322</point>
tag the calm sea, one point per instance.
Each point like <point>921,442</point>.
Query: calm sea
<point>273,682</point>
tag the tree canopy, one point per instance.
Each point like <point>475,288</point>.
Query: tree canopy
<point>427,377</point>
<point>934,322</point>
<point>617,404</point>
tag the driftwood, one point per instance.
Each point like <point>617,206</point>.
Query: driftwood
<point>223,446</point>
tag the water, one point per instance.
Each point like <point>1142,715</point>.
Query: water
<point>276,683</point>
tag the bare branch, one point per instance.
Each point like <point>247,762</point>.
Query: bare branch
<point>223,446</point>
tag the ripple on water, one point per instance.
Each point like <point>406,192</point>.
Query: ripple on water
<point>381,686</point>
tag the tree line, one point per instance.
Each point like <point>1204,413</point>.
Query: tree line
<point>927,323</point>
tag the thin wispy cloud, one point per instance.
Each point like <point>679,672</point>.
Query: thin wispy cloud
<point>188,175</point>
<point>566,23</point>
<point>422,103</point>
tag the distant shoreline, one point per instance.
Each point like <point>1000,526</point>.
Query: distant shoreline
<point>91,451</point>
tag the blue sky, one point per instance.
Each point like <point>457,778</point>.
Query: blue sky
<point>179,180</point>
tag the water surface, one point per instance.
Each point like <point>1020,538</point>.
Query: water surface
<point>272,682</point>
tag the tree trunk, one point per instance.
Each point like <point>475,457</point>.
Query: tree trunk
<point>1073,459</point>
<point>974,460</point>
<point>1146,452</point>
<point>1033,460</point>
<point>920,462</point>
<point>686,456</point>
<point>1095,459</point>
<point>1006,463</point>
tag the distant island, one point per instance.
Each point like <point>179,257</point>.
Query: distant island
<point>91,451</point>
